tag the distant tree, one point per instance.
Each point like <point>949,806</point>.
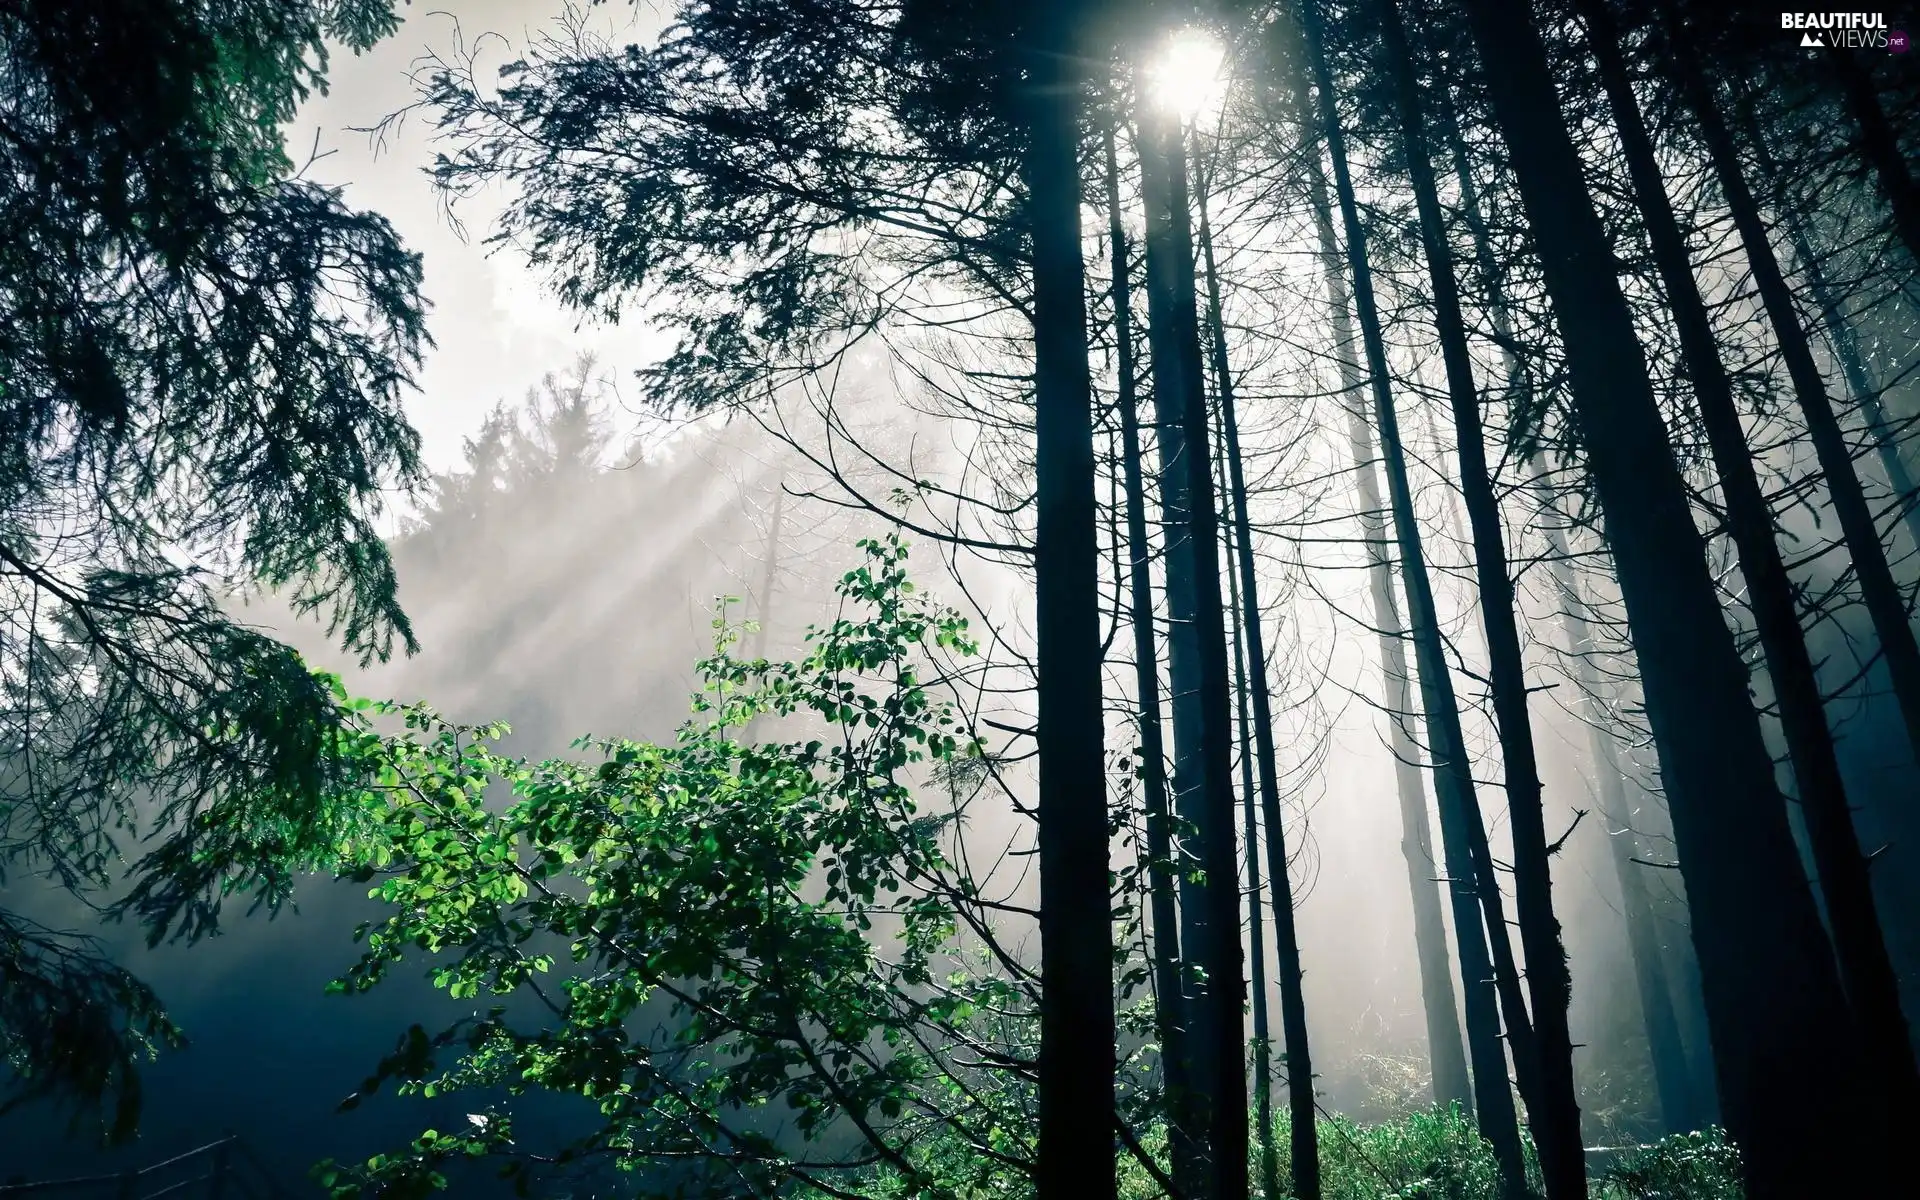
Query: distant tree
<point>202,357</point>
<point>472,492</point>
<point>567,431</point>
<point>556,440</point>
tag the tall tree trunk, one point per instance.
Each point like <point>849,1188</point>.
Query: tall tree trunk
<point>1463,834</point>
<point>1169,1011</point>
<point>1304,1130</point>
<point>1492,1099</point>
<point>1880,147</point>
<point>1183,669</point>
<point>1853,366</point>
<point>1077,1028</point>
<point>1256,934</point>
<point>1553,1108</point>
<point>1673,1080</point>
<point>1845,343</point>
<point>1857,526</point>
<point>1210,900</point>
<point>1754,924</point>
<point>1865,968</point>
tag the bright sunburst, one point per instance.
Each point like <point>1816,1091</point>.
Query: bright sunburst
<point>1186,76</point>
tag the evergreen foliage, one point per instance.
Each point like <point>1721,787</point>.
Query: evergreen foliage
<point>202,358</point>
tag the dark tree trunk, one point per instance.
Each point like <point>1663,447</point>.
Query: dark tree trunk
<point>1183,670</point>
<point>1256,934</point>
<point>1754,924</point>
<point>1077,1027</point>
<point>1448,1060</point>
<point>1304,1131</point>
<point>1877,586</point>
<point>1165,949</point>
<point>1880,147</point>
<point>1865,968</point>
<point>1553,1109</point>
<point>1673,1079</point>
<point>1469,864</point>
<point>1210,901</point>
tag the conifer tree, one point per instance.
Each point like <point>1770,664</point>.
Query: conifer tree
<point>202,359</point>
<point>1753,919</point>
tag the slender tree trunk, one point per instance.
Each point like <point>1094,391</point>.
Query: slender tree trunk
<point>1256,934</point>
<point>763,594</point>
<point>1447,1058</point>
<point>1460,807</point>
<point>769,570</point>
<point>1304,1131</point>
<point>1673,1079</point>
<point>1553,1108</point>
<point>1210,903</point>
<point>1846,347</point>
<point>1077,1028</point>
<point>1453,777</point>
<point>1673,1082</point>
<point>1169,1011</point>
<point>1754,922</point>
<point>1865,967</point>
<point>1469,863</point>
<point>1857,526</point>
<point>1493,1101</point>
<point>1853,365</point>
<point>1880,147</point>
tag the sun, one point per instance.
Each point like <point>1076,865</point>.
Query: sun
<point>1186,76</point>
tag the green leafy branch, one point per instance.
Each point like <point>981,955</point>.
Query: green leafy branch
<point>688,936</point>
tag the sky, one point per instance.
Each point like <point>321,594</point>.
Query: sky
<point>496,330</point>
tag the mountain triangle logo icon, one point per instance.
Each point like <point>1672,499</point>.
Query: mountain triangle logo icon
<point>1812,39</point>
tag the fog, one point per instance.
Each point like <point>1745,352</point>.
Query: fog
<point>583,611</point>
<point>580,606</point>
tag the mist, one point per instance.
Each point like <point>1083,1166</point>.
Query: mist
<point>586,533</point>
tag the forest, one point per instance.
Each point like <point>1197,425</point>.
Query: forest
<point>1083,599</point>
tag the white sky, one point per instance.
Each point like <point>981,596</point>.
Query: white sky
<point>497,330</point>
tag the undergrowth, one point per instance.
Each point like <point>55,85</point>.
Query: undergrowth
<point>1422,1156</point>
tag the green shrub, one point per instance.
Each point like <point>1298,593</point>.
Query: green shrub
<point>1423,1156</point>
<point>1687,1166</point>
